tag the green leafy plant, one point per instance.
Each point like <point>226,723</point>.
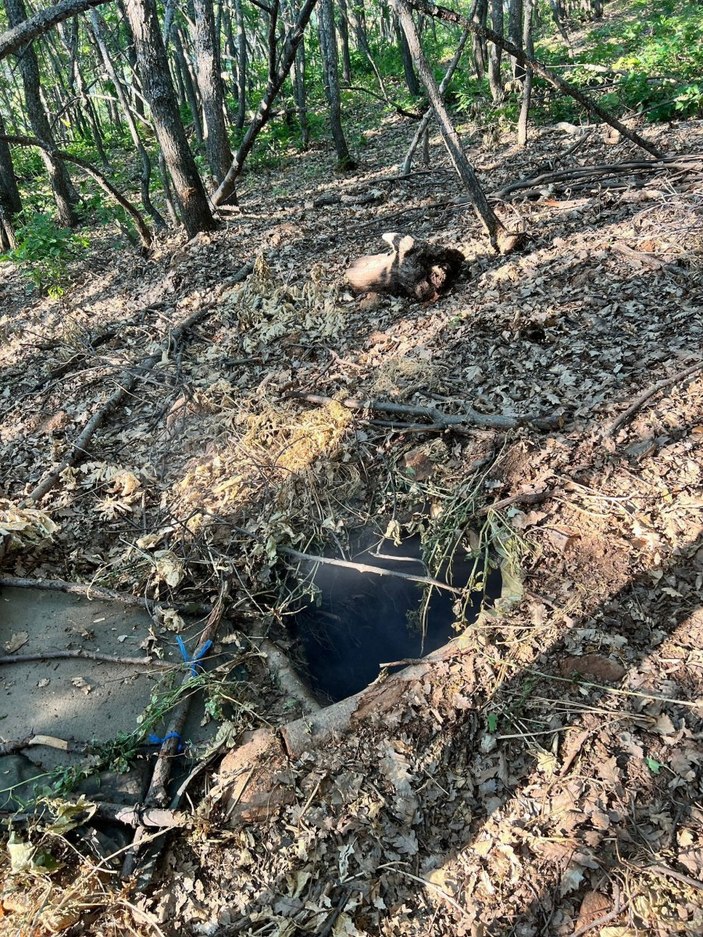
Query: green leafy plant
<point>44,250</point>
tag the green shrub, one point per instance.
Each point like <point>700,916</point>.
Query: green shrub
<point>44,251</point>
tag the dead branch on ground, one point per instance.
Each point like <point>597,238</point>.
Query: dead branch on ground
<point>368,568</point>
<point>101,594</point>
<point>86,655</point>
<point>691,163</point>
<point>638,402</point>
<point>439,419</point>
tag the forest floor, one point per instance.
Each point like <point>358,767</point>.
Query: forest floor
<point>544,775</point>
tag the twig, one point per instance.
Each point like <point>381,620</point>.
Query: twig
<point>100,593</point>
<point>126,383</point>
<point>85,655</point>
<point>431,885</point>
<point>366,568</point>
<point>332,918</point>
<point>650,392</point>
<point>664,870</point>
<point>129,816</point>
<point>469,415</point>
<point>524,497</point>
<point>605,919</point>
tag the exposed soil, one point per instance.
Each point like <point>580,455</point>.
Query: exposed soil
<point>545,777</point>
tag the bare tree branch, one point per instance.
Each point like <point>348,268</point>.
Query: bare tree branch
<point>42,22</point>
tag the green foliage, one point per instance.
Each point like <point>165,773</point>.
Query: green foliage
<point>650,60</point>
<point>44,251</point>
<point>27,162</point>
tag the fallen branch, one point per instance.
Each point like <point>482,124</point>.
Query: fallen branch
<point>130,816</point>
<point>126,383</point>
<point>145,235</point>
<point>101,594</point>
<point>286,677</point>
<point>446,420</point>
<point>449,16</point>
<point>85,655</point>
<point>157,794</point>
<point>619,421</point>
<point>686,163</point>
<point>367,568</point>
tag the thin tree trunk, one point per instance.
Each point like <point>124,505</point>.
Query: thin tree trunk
<point>330,68</point>
<point>449,16</point>
<point>209,80</point>
<point>65,195</point>
<point>98,25</point>
<point>495,230</point>
<point>9,192</point>
<point>344,36</point>
<point>515,34</point>
<point>188,84</point>
<point>479,43</point>
<point>528,46</point>
<point>10,200</point>
<point>558,17</point>
<point>422,133</point>
<point>494,53</point>
<point>358,20</point>
<point>161,98</point>
<point>144,232</point>
<point>407,59</point>
<point>241,65</point>
<point>300,91</point>
<point>293,40</point>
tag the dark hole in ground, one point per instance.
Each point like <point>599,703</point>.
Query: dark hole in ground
<point>362,620</point>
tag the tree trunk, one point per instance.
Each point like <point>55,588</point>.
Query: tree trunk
<point>344,36</point>
<point>330,66</point>
<point>293,40</point>
<point>13,40</point>
<point>422,132</point>
<point>495,230</point>
<point>479,43</point>
<point>300,91</point>
<point>144,161</point>
<point>188,84</point>
<point>161,98</point>
<point>10,201</point>
<point>209,80</point>
<point>558,17</point>
<point>495,52</point>
<point>528,46</point>
<point>65,195</point>
<point>241,65</point>
<point>565,87</point>
<point>515,34</point>
<point>408,68</point>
